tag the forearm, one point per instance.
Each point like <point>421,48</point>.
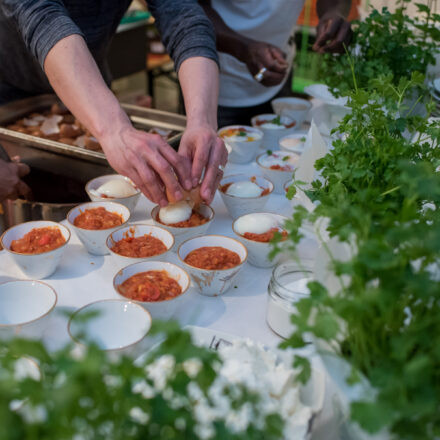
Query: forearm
<point>199,79</point>
<point>228,41</point>
<point>74,76</point>
<point>341,7</point>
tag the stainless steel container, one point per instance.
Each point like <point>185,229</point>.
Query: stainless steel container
<point>77,165</point>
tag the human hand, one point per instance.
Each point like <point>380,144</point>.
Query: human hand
<point>333,33</point>
<point>149,162</point>
<point>11,185</point>
<point>258,55</point>
<point>201,145</point>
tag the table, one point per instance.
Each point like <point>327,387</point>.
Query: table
<point>83,278</point>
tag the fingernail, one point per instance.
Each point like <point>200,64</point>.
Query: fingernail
<point>163,203</point>
<point>188,184</point>
<point>178,194</point>
<point>195,182</point>
<point>207,195</point>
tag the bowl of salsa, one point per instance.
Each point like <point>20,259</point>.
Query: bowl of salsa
<point>93,222</point>
<point>156,285</point>
<point>134,243</point>
<point>36,247</point>
<point>213,262</point>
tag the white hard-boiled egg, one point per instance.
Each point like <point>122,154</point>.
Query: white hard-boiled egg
<point>175,213</point>
<point>255,224</point>
<point>244,189</point>
<point>117,188</point>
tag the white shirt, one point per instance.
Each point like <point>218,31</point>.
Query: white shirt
<point>271,21</point>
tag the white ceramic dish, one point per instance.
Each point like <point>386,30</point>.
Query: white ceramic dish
<point>212,282</point>
<point>277,177</point>
<point>238,206</point>
<point>258,251</point>
<point>294,108</point>
<point>241,150</point>
<point>294,143</point>
<point>24,308</point>
<point>118,324</point>
<point>159,309</point>
<point>182,234</point>
<point>323,93</point>
<point>95,240</point>
<point>139,231</point>
<point>130,201</point>
<point>272,135</point>
<point>35,266</point>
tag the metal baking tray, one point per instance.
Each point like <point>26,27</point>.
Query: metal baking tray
<point>142,118</point>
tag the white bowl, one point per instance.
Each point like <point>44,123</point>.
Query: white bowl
<point>35,266</point>
<point>118,324</point>
<point>277,177</point>
<point>130,201</point>
<point>272,135</point>
<point>24,308</point>
<point>182,234</point>
<point>139,231</point>
<point>299,138</point>
<point>295,108</point>
<point>163,310</point>
<point>242,151</point>
<point>258,251</point>
<point>212,282</point>
<point>323,93</point>
<point>238,206</point>
<point>95,240</point>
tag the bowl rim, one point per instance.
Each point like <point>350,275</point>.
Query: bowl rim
<point>56,224</point>
<point>139,224</point>
<point>213,270</point>
<point>40,317</point>
<point>255,118</point>
<point>84,344</point>
<point>252,213</point>
<point>97,230</point>
<point>251,127</point>
<point>87,187</point>
<point>246,198</point>
<point>296,98</point>
<point>257,160</point>
<point>188,228</point>
<point>164,301</point>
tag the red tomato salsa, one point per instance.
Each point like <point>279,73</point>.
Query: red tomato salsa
<point>139,247</point>
<point>196,219</point>
<point>39,240</point>
<point>281,167</point>
<point>97,219</point>
<point>152,286</point>
<point>266,237</point>
<point>213,258</point>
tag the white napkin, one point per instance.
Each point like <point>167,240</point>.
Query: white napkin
<point>315,148</point>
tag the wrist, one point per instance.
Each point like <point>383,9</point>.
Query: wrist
<point>110,123</point>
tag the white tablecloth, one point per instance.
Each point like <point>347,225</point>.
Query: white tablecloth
<point>83,278</point>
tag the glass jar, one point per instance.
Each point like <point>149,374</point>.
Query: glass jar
<point>286,287</point>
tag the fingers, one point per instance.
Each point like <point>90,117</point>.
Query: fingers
<point>272,63</point>
<point>279,56</point>
<point>146,180</point>
<point>326,32</point>
<point>272,78</point>
<point>342,39</point>
<point>23,169</point>
<point>23,190</point>
<point>181,165</point>
<point>202,153</point>
<point>213,175</point>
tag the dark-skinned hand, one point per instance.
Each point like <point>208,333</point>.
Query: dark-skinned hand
<point>333,33</point>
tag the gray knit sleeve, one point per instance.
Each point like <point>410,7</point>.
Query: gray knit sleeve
<point>42,23</point>
<point>186,30</point>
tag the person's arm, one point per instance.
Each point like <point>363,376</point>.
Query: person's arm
<point>145,158</point>
<point>333,30</point>
<point>11,185</point>
<point>255,54</point>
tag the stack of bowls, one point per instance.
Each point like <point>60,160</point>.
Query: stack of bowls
<point>435,93</point>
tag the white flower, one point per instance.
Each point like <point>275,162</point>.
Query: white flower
<point>113,381</point>
<point>26,369</point>
<point>161,370</point>
<point>33,414</point>
<point>139,416</point>
<point>192,367</point>
<point>142,387</point>
<point>180,423</point>
<point>204,431</point>
<point>238,421</point>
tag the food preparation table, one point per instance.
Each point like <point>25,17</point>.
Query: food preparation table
<point>82,278</point>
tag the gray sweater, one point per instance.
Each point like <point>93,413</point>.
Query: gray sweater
<point>30,28</point>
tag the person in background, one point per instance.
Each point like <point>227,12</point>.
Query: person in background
<point>11,185</point>
<point>255,39</point>
<point>61,46</point>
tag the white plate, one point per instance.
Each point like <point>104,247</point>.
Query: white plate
<point>322,92</point>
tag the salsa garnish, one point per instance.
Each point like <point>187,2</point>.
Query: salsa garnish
<point>213,258</point>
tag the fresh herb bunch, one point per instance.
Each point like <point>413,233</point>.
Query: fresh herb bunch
<point>385,43</point>
<point>86,395</point>
<point>380,191</point>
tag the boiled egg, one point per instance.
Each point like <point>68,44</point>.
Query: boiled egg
<point>255,224</point>
<point>116,188</point>
<point>175,212</point>
<point>244,189</point>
